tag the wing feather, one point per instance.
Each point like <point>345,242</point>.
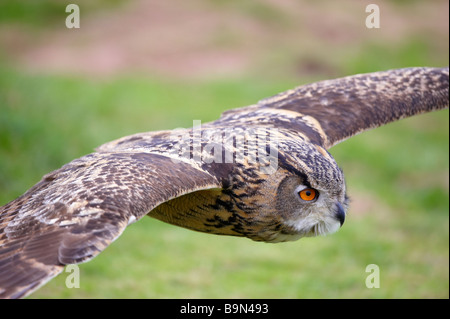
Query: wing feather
<point>75,212</point>
<point>347,106</point>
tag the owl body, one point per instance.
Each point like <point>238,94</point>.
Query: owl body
<point>261,172</point>
<point>252,199</point>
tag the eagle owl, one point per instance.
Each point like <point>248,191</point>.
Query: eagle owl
<point>262,172</point>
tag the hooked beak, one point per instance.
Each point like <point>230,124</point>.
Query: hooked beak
<point>340,213</point>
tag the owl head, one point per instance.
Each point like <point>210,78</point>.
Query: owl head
<point>306,195</point>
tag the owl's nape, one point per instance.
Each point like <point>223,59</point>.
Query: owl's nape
<point>75,212</point>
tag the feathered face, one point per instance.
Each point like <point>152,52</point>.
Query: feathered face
<point>309,211</point>
<point>310,199</point>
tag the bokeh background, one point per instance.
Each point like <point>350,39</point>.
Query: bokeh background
<point>140,65</point>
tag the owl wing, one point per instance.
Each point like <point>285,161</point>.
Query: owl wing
<point>331,111</point>
<point>75,212</point>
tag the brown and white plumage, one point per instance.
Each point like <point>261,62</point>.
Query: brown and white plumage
<point>75,212</point>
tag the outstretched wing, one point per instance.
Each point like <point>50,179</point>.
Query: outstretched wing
<point>75,212</point>
<point>331,111</point>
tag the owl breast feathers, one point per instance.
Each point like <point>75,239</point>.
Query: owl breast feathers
<point>262,172</point>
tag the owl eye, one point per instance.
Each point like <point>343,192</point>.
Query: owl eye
<point>308,194</point>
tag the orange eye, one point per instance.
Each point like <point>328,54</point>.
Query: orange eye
<point>308,194</point>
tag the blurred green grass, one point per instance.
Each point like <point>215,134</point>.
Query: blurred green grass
<point>397,178</point>
<point>46,13</point>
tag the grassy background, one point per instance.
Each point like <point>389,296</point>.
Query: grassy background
<point>397,177</point>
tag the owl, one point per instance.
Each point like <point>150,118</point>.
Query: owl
<point>262,172</point>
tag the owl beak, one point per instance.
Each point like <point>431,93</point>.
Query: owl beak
<point>340,213</point>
